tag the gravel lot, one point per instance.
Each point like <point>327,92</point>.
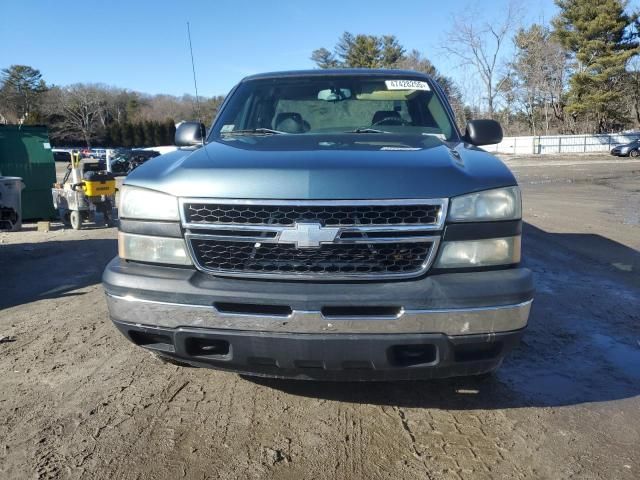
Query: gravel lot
<point>78,401</point>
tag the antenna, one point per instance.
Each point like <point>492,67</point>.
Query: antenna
<point>195,83</point>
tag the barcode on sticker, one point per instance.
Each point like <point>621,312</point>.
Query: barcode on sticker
<point>406,85</point>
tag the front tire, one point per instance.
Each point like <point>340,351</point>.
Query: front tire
<point>634,153</point>
<point>75,218</point>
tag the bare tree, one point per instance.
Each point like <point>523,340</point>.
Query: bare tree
<point>555,83</point>
<point>480,44</point>
<point>414,60</point>
<point>633,89</point>
<point>529,72</point>
<point>79,109</point>
<point>538,77</point>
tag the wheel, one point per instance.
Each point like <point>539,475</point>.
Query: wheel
<point>106,209</point>
<point>634,153</point>
<point>75,218</point>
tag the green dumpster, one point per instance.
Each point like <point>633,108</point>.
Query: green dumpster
<point>25,152</point>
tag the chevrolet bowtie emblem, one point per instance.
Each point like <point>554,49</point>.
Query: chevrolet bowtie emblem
<point>308,235</point>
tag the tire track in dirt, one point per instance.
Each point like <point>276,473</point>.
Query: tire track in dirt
<point>417,452</point>
<point>251,445</point>
<point>48,463</point>
<point>224,413</point>
<point>351,428</point>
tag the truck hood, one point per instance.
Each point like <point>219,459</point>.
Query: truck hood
<point>362,166</point>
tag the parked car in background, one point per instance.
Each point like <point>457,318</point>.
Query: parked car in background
<point>61,155</point>
<point>99,153</point>
<point>124,161</point>
<point>631,149</point>
<point>138,157</point>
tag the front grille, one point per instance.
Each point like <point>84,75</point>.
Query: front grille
<point>328,260</point>
<point>314,239</point>
<point>326,215</point>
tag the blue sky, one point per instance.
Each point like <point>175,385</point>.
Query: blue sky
<point>142,45</point>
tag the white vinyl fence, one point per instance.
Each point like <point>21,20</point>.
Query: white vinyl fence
<point>561,143</point>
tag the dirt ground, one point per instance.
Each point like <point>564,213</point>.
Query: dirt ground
<point>79,401</point>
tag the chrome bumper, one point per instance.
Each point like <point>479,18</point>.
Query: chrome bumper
<point>463,321</point>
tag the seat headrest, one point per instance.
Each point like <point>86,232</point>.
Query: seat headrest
<point>381,114</point>
<point>290,122</point>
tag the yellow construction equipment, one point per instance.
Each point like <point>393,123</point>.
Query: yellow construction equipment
<point>85,191</point>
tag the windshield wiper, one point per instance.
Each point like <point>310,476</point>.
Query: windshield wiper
<point>255,131</point>
<point>366,130</point>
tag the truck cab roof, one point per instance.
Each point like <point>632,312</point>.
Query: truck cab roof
<point>365,72</point>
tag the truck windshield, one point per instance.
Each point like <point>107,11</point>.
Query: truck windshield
<point>335,104</point>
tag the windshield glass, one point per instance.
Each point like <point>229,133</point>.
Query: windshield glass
<point>337,104</point>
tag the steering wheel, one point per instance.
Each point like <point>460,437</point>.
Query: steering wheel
<point>389,121</point>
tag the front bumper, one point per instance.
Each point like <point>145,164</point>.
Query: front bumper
<point>449,321</point>
<point>448,324</point>
<point>346,357</point>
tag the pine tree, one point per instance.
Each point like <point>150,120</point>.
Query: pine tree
<point>324,58</point>
<point>598,33</point>
<point>132,107</point>
<point>115,134</point>
<point>127,135</point>
<point>138,135</point>
<point>148,133</point>
<point>170,132</point>
<point>361,51</point>
<point>392,52</point>
<point>157,133</point>
<point>21,87</point>
<point>162,134</point>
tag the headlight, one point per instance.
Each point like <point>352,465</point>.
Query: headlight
<point>144,248</point>
<point>479,253</point>
<point>490,205</point>
<point>143,204</point>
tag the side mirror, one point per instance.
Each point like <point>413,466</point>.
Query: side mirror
<point>483,132</point>
<point>189,134</point>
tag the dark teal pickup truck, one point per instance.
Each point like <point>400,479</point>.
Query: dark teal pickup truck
<point>331,224</point>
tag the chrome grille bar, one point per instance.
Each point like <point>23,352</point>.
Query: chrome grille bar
<point>439,203</point>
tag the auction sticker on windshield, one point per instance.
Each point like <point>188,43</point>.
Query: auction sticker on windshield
<point>406,85</point>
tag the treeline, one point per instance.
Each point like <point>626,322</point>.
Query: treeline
<point>141,134</point>
<point>95,114</point>
<point>578,74</point>
<point>385,51</point>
